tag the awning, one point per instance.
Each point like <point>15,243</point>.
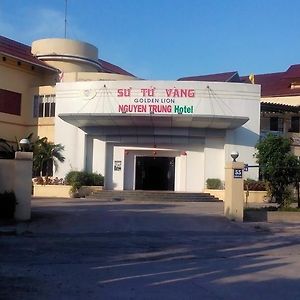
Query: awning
<point>83,120</point>
<point>277,107</point>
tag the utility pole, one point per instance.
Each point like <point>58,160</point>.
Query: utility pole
<point>66,6</point>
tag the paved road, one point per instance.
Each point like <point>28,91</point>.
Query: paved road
<point>82,249</point>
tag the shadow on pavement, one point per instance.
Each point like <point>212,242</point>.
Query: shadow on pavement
<point>145,251</point>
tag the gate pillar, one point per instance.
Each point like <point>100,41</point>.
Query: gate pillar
<point>234,191</point>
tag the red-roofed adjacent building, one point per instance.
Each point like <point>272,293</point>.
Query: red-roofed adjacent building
<point>220,77</point>
<point>280,99</point>
<point>280,103</point>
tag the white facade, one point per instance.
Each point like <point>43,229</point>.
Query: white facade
<point>140,133</point>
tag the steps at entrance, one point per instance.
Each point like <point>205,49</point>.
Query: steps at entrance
<point>107,195</point>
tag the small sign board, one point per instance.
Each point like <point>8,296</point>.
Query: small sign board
<point>117,165</point>
<point>237,173</point>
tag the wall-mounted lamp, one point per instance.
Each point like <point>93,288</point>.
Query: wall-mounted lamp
<point>24,144</point>
<point>234,155</point>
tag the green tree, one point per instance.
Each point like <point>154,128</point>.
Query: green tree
<point>279,167</point>
<point>45,155</point>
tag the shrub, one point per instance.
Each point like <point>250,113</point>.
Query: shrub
<point>97,179</point>
<point>254,185</point>
<point>7,205</point>
<point>79,178</point>
<point>214,183</point>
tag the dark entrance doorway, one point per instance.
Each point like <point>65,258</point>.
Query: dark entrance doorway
<point>155,173</point>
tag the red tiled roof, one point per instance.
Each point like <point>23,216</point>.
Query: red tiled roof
<point>111,68</point>
<point>220,77</point>
<point>278,107</point>
<point>277,84</point>
<point>293,72</point>
<point>21,52</point>
<point>272,84</point>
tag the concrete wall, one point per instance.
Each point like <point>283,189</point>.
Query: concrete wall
<point>59,191</point>
<point>62,191</point>
<point>15,175</point>
<point>74,141</point>
<point>243,139</point>
<point>67,55</point>
<point>253,197</point>
<point>214,157</point>
<point>92,76</point>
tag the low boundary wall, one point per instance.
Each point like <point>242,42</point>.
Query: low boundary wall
<point>15,176</point>
<point>272,216</point>
<point>62,191</point>
<point>254,196</point>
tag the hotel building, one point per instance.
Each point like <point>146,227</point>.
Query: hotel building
<point>139,134</point>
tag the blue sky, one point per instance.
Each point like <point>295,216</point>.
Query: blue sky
<point>168,39</point>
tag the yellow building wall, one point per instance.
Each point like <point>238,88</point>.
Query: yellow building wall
<point>24,79</point>
<point>45,126</point>
<point>29,80</point>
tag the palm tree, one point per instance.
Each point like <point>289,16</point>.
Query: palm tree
<point>45,155</point>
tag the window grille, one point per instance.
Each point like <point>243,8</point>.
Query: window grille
<point>43,106</point>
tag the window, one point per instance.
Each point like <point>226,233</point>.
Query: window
<point>47,109</point>
<point>35,106</point>
<point>10,102</point>
<point>41,109</point>
<point>44,106</point>
<point>276,124</point>
<point>295,124</point>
